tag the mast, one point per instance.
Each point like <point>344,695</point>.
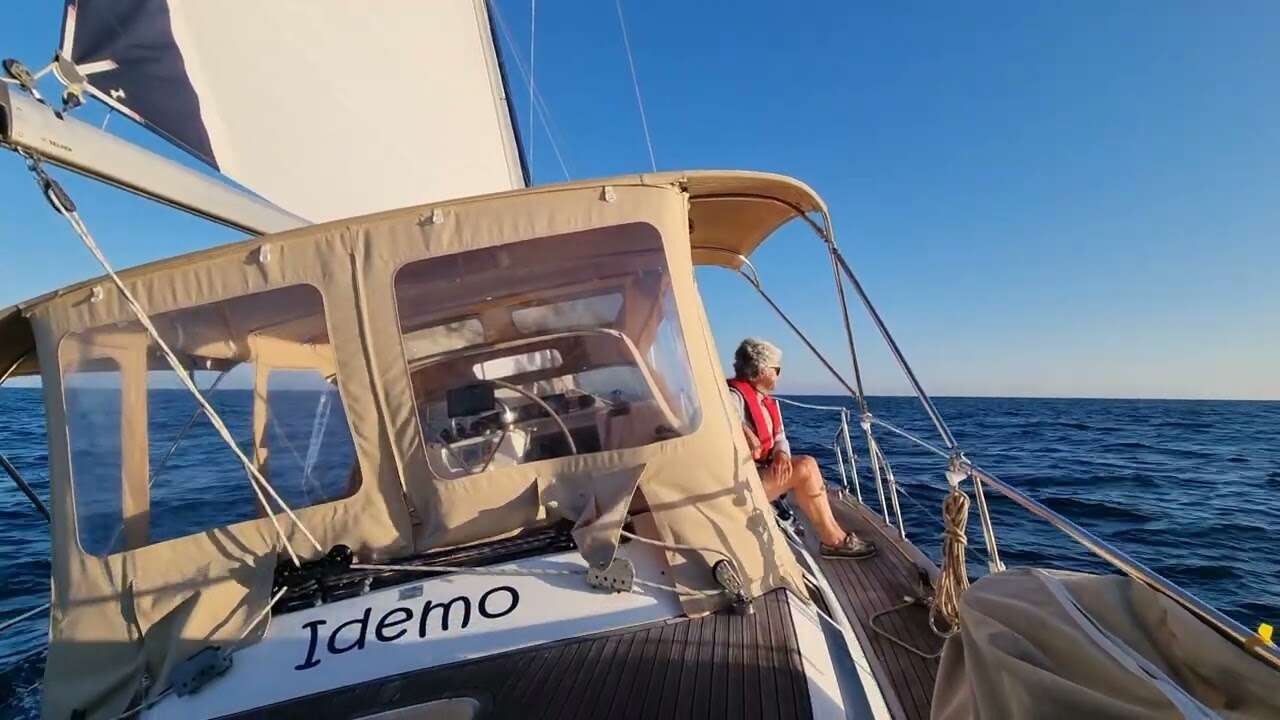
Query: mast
<point>516,133</point>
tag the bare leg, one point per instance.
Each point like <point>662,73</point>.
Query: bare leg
<point>811,496</point>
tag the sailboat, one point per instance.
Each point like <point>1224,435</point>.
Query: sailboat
<point>432,443</point>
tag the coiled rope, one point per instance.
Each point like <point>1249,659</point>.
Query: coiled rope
<point>953,579</point>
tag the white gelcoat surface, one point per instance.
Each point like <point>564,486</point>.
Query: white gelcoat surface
<point>857,653</point>
<point>819,671</point>
<point>550,608</point>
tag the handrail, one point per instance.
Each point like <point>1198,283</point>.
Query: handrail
<point>1224,625</point>
<point>1110,554</point>
<point>1136,570</point>
<point>832,408</point>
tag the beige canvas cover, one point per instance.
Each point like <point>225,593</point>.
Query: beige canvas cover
<point>1048,644</point>
<point>137,612</point>
<point>731,213</point>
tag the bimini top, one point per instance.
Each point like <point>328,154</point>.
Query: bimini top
<point>731,213</point>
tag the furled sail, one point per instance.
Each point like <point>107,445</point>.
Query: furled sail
<point>327,108</point>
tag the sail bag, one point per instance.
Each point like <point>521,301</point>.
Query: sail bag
<point>1050,644</point>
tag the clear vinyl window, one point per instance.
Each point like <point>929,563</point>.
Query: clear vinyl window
<point>146,463</point>
<point>571,345</point>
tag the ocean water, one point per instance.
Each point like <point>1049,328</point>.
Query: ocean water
<point>1191,488</point>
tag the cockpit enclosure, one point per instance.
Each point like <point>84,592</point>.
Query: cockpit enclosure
<point>420,378</point>
<point>553,347</point>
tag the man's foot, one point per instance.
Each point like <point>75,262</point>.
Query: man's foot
<point>851,547</point>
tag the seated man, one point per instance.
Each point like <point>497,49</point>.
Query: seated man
<point>756,367</point>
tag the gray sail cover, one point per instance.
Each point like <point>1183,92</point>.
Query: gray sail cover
<point>328,108</point>
<point>1045,644</point>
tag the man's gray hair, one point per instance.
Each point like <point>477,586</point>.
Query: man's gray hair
<point>753,356</point>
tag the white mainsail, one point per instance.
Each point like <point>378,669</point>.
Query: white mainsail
<point>327,108</point>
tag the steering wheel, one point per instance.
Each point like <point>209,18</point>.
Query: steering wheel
<point>568,436</point>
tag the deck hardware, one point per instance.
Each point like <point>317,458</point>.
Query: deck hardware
<point>95,295</point>
<point>192,674</point>
<point>608,195</point>
<point>16,70</point>
<point>22,75</point>
<point>619,576</point>
<point>74,81</point>
<point>264,254</point>
<point>435,217</point>
<point>314,583</point>
<point>729,580</point>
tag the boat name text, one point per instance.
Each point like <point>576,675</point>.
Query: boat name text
<point>394,624</point>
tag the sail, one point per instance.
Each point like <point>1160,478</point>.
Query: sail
<point>327,108</point>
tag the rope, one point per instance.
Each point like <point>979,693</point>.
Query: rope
<point>635,84</point>
<point>953,579</point>
<point>467,570</point>
<point>678,547</point>
<point>551,572</point>
<point>929,514</point>
<point>519,572</point>
<point>795,403</point>
<point>262,614</point>
<point>62,203</point>
<point>540,103</point>
<point>135,710</point>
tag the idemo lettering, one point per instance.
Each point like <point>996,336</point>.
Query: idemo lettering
<point>397,622</point>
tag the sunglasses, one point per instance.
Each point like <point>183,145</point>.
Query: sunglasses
<point>777,370</point>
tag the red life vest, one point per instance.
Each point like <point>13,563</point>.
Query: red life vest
<point>757,404</point>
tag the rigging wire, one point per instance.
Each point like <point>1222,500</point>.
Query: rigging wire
<point>62,203</point>
<point>635,84</point>
<point>540,104</point>
<point>28,614</point>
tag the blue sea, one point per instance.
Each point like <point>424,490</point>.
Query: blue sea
<point>1191,488</point>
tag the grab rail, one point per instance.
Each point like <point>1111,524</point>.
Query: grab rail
<point>1136,570</point>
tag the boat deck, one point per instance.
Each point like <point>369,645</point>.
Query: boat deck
<point>877,584</point>
<point>722,665</point>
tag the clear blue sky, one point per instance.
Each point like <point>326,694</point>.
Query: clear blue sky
<point>1066,199</point>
